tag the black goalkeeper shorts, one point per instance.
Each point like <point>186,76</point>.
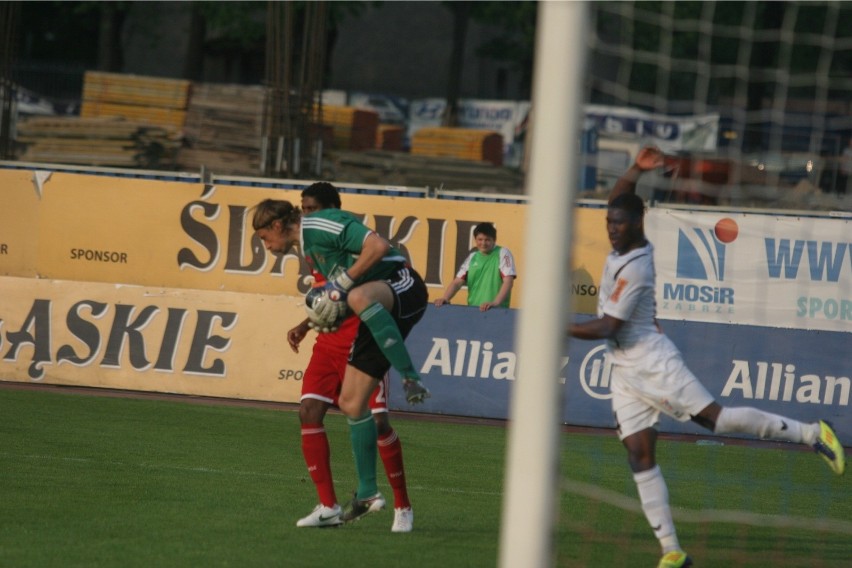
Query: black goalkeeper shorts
<point>409,305</point>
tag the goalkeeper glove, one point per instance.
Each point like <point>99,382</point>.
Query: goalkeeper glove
<point>334,309</point>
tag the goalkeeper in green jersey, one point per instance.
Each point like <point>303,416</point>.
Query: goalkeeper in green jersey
<point>364,275</point>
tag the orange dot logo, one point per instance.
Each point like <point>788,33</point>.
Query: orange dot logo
<point>726,230</point>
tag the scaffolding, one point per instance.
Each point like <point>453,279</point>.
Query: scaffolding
<point>292,143</point>
<point>9,23</point>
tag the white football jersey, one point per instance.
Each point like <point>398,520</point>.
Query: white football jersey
<point>627,293</point>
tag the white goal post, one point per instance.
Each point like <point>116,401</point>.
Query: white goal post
<point>531,495</point>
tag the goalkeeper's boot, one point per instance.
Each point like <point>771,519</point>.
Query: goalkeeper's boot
<point>415,390</point>
<point>322,516</point>
<point>675,559</point>
<point>829,448</point>
<point>358,508</point>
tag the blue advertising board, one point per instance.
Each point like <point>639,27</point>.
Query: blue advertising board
<point>468,361</point>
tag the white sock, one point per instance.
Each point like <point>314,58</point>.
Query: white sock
<point>748,420</point>
<point>654,496</point>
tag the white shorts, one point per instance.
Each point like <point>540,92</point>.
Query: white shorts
<point>660,382</point>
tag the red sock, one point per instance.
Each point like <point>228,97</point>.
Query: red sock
<point>317,454</point>
<point>390,450</point>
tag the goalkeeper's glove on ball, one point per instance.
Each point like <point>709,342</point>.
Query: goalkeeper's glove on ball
<point>334,309</point>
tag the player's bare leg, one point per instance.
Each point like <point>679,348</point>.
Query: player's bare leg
<point>355,393</point>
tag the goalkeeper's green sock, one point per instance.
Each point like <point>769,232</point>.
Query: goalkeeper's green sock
<point>386,333</point>
<point>362,432</point>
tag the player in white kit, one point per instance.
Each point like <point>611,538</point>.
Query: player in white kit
<point>648,373</point>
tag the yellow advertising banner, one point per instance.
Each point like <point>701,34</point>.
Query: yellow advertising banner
<point>192,342</point>
<point>161,286</point>
<point>591,247</point>
<point>19,221</point>
<point>174,234</point>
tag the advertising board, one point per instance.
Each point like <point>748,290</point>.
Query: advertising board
<point>19,222</point>
<point>764,270</point>
<point>157,285</point>
<point>468,360</point>
<point>174,234</point>
<point>138,338</point>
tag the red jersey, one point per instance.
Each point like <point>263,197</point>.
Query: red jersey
<point>324,374</point>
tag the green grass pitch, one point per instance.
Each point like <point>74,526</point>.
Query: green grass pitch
<point>107,481</point>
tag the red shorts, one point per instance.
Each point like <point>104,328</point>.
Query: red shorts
<point>324,375</point>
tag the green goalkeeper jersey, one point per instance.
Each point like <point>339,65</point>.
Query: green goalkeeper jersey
<point>332,239</point>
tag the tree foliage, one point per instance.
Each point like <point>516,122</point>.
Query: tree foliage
<point>515,42</point>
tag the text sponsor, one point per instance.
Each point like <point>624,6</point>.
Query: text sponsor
<point>126,333</point>
<point>290,374</point>
<point>584,289</point>
<point>99,255</point>
<point>779,381</point>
